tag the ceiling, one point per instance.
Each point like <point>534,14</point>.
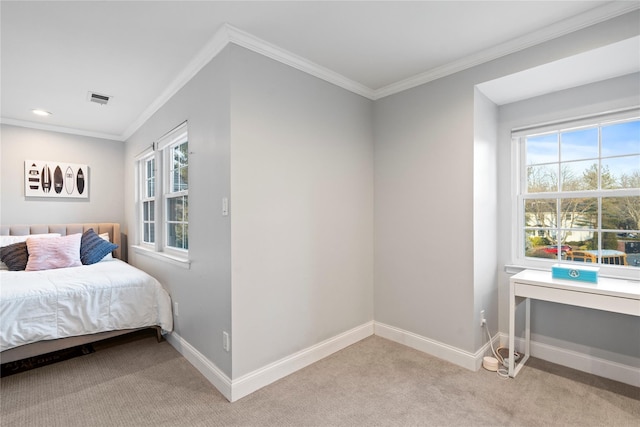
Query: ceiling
<point>53,53</point>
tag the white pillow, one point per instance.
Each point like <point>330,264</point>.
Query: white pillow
<point>105,236</point>
<point>10,240</point>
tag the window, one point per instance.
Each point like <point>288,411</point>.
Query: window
<point>164,195</point>
<point>578,193</point>
<point>177,196</point>
<point>148,199</point>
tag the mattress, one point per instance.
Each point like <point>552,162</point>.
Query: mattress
<point>60,303</point>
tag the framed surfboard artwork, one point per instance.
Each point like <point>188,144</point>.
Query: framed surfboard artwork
<point>55,179</point>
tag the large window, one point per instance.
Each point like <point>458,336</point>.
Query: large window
<point>164,194</point>
<point>579,193</point>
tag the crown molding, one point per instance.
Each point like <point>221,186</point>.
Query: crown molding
<point>217,43</point>
<point>262,47</point>
<point>60,129</point>
<point>558,29</point>
<point>228,34</point>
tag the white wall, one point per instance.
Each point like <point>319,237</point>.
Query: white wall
<point>425,281</point>
<point>302,210</point>
<point>104,158</point>
<point>609,336</point>
<point>203,291</point>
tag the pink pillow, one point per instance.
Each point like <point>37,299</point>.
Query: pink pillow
<point>54,252</point>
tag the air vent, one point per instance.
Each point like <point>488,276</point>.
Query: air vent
<point>98,98</point>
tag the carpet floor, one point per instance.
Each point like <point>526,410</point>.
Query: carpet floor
<point>375,382</point>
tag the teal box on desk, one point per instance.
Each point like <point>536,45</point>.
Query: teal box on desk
<point>572,272</point>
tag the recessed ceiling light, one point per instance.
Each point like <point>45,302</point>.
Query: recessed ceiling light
<point>40,112</point>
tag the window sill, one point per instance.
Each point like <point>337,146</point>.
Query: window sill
<point>171,259</point>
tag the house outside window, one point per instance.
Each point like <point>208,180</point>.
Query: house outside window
<point>578,193</point>
<point>164,195</point>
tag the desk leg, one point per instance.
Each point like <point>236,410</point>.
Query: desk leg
<point>512,327</point>
<point>527,330</point>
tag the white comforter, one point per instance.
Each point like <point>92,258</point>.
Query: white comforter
<point>106,296</point>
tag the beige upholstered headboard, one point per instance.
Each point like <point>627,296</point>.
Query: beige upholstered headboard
<point>64,229</point>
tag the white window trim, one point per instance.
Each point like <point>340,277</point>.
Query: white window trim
<point>517,177</point>
<point>142,176</point>
<point>159,249</point>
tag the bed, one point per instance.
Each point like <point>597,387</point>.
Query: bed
<point>52,309</point>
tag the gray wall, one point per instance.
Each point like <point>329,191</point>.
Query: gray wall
<point>485,215</point>
<point>424,211</point>
<point>203,291</point>
<point>104,158</point>
<point>315,174</point>
<point>606,335</point>
<point>302,210</point>
<point>425,277</point>
<point>293,263</point>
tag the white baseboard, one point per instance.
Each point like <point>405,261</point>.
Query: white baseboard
<point>246,384</point>
<point>211,372</point>
<point>236,389</point>
<point>581,361</point>
<point>257,379</point>
<point>471,361</point>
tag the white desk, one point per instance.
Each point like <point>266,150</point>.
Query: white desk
<point>615,295</point>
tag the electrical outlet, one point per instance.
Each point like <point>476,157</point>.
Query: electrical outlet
<point>226,342</point>
<point>175,309</point>
<point>483,320</point>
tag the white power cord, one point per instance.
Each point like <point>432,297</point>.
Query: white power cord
<point>501,371</point>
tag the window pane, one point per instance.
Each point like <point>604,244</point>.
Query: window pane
<point>621,213</point>
<point>148,211</point>
<point>543,243</point>
<point>151,188</point>
<point>580,239</point>
<point>150,177</point>
<point>579,144</point>
<point>629,243</point>
<point>172,239</point>
<point>579,176</point>
<point>149,232</point>
<point>621,138</point>
<point>542,149</point>
<point>621,172</point>
<point>542,179</point>
<point>177,236</point>
<point>152,232</point>
<point>179,167</point>
<point>541,213</point>
<point>176,209</point>
<point>579,212</point>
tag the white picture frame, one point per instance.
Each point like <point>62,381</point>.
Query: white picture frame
<point>55,179</point>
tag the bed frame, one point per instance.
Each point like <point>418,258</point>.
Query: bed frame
<point>48,346</point>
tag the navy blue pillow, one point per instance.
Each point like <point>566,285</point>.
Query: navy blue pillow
<point>15,256</point>
<point>93,247</point>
